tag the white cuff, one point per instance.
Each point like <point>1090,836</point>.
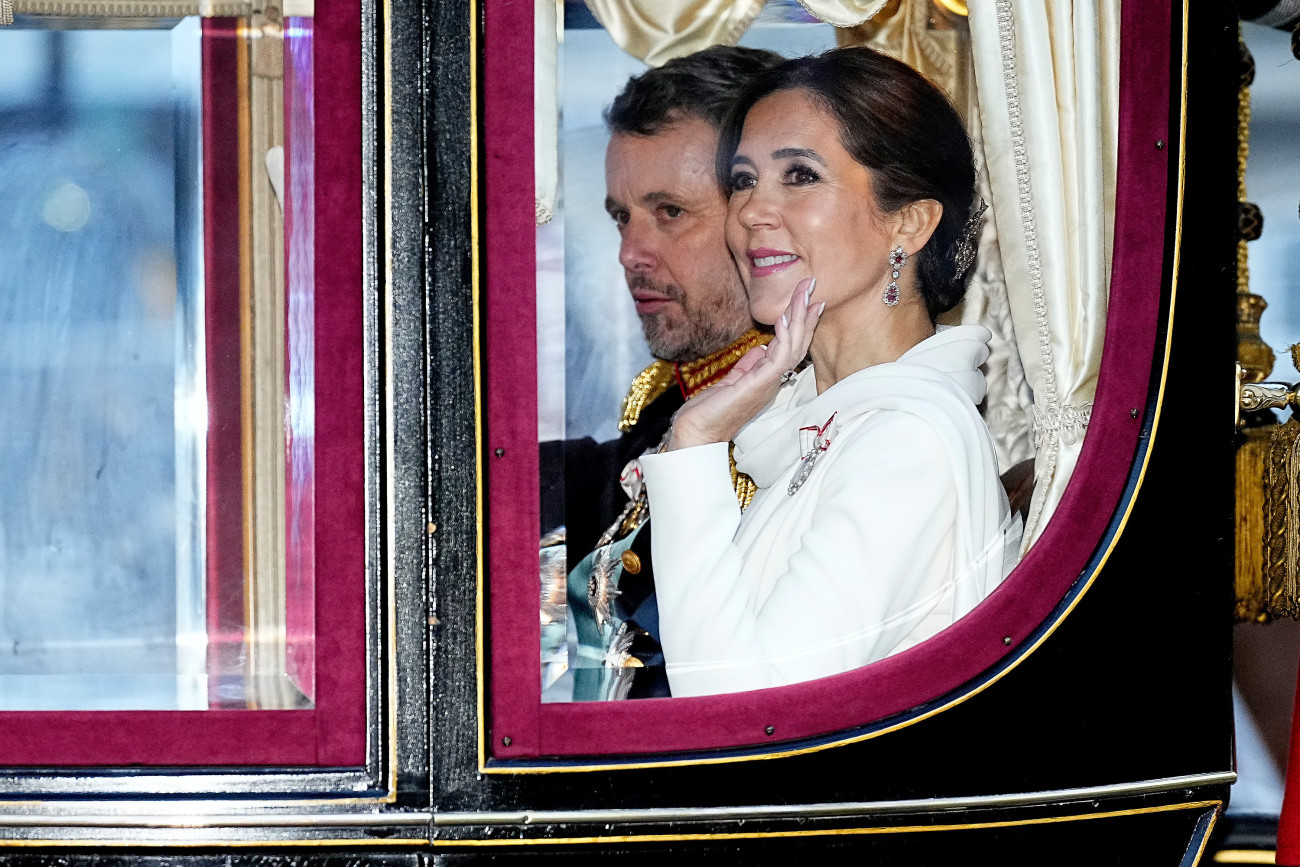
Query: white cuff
<point>689,481</point>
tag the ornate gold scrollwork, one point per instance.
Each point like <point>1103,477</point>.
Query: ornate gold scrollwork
<point>1266,395</point>
<point>1268,500</point>
<point>1266,459</point>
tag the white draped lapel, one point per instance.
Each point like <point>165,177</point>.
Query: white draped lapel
<point>939,382</point>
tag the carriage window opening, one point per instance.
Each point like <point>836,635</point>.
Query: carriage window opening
<point>598,643</point>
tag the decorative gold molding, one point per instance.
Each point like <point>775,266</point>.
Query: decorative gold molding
<point>1250,593</point>
<point>1281,521</point>
<point>1254,355</point>
<point>264,336</point>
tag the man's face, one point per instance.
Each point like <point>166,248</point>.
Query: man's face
<point>662,193</point>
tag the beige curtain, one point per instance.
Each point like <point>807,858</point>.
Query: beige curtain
<point>656,31</point>
<point>1047,79</point>
<point>1008,403</point>
<point>924,35</point>
<point>546,119</point>
<point>844,13</point>
<point>936,41</point>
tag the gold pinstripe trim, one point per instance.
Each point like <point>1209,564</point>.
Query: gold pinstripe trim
<point>1205,838</point>
<point>189,843</point>
<point>833,832</point>
<point>1245,856</point>
<point>476,300</point>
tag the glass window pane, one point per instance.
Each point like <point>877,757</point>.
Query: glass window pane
<point>107,326</point>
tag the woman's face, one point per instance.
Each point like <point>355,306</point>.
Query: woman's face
<point>802,206</point>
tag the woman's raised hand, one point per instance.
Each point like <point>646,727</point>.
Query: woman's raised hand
<point>717,414</point>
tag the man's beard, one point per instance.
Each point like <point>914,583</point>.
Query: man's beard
<point>705,330</point>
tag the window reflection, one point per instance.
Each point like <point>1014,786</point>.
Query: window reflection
<point>590,340</point>
<point>112,282</point>
<point>100,538</point>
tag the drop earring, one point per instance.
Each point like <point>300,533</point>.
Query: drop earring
<point>897,259</point>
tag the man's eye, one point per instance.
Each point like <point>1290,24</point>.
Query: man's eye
<point>619,218</point>
<point>672,212</point>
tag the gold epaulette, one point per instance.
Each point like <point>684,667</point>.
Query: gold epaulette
<point>695,376</point>
<point>648,385</point>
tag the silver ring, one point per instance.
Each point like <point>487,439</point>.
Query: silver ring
<point>787,376</point>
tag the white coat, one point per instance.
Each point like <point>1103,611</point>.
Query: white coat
<point>900,528</point>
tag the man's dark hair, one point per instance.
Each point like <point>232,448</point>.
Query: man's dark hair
<point>898,125</point>
<point>702,85</point>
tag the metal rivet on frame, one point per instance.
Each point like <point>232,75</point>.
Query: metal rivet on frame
<point>1006,639</point>
<point>505,741</point>
<point>501,453</point>
<point>1133,413</point>
<point>771,730</point>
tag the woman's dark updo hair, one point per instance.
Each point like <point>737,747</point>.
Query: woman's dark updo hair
<point>899,126</point>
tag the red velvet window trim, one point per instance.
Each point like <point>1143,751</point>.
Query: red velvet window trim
<point>333,733</point>
<point>960,655</point>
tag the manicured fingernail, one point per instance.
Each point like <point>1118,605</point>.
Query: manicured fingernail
<point>785,320</point>
<point>807,298</point>
<point>821,309</point>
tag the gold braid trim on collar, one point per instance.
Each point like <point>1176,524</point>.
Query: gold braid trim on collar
<point>692,377</point>
<point>695,376</point>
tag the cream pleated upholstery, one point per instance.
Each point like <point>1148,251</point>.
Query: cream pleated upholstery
<point>1047,77</point>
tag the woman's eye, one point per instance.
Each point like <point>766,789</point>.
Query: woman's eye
<point>801,175</point>
<point>741,181</point>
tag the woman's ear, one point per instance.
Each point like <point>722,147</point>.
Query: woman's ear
<point>915,222</point>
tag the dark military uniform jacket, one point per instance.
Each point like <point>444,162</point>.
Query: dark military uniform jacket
<point>582,490</point>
